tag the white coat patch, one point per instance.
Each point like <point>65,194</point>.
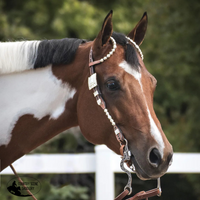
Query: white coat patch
<point>154,129</point>
<point>36,92</point>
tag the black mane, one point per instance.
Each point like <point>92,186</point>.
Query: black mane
<point>62,51</point>
<point>130,51</point>
<point>56,52</point>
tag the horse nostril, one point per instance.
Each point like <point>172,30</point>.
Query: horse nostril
<point>155,157</point>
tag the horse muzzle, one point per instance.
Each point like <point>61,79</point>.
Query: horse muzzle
<point>153,166</point>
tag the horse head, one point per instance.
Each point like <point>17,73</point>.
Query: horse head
<point>127,88</point>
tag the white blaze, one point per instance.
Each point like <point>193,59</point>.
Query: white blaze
<point>35,92</point>
<point>153,127</point>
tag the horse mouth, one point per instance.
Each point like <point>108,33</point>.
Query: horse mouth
<point>138,169</point>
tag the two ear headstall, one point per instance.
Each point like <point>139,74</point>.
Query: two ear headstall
<point>93,85</point>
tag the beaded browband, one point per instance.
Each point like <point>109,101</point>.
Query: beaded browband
<point>114,48</point>
<point>136,46</point>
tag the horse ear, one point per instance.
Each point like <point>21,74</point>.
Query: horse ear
<point>105,33</point>
<point>138,33</point>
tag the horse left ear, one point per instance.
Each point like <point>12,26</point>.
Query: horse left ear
<point>105,33</point>
<point>138,33</point>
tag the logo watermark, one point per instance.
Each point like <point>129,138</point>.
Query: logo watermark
<point>15,187</point>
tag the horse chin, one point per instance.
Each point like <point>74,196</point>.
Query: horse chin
<point>141,174</point>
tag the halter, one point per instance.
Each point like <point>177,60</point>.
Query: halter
<point>124,151</point>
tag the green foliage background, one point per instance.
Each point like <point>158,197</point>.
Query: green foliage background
<point>171,50</point>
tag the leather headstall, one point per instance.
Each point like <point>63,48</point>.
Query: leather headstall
<point>92,83</point>
<point>124,151</point>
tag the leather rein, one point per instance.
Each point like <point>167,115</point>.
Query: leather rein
<point>124,151</point>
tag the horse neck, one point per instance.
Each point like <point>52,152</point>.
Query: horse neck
<point>77,71</point>
<point>43,92</point>
<point>39,104</point>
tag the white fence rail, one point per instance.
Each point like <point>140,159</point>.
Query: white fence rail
<point>104,163</point>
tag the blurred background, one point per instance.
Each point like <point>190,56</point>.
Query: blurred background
<point>171,50</point>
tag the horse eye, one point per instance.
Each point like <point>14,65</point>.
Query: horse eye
<point>113,85</point>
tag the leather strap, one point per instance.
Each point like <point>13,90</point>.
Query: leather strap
<point>100,99</point>
<point>94,63</point>
<point>122,195</point>
<point>140,195</point>
<point>146,195</point>
<point>20,180</point>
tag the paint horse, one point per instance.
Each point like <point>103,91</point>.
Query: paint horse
<point>44,91</point>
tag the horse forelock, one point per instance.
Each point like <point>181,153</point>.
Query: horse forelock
<point>26,55</point>
<point>130,52</point>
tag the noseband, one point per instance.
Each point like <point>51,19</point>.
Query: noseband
<point>124,151</point>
